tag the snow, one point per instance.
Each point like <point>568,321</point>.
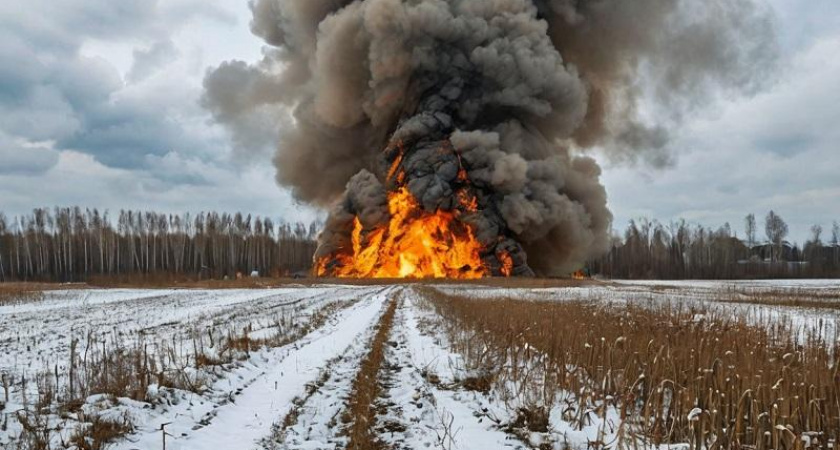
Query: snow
<point>36,337</point>
<point>432,416</point>
<point>832,284</point>
<point>279,376</point>
<point>50,325</point>
<point>244,403</point>
<point>319,414</point>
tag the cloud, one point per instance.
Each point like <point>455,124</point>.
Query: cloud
<point>43,114</point>
<point>786,146</point>
<point>99,108</point>
<point>76,101</point>
<point>19,159</point>
<point>804,25</point>
<point>123,133</point>
<point>176,169</point>
<point>19,71</point>
<point>53,92</point>
<point>62,26</point>
<point>150,60</point>
<point>78,179</point>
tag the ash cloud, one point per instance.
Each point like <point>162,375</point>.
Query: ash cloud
<point>512,90</point>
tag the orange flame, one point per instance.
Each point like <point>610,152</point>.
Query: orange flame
<point>467,201</point>
<point>579,275</point>
<point>507,263</point>
<point>414,244</point>
<point>395,166</point>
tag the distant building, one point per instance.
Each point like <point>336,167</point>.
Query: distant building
<point>767,253</point>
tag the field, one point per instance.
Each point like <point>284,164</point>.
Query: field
<point>411,366</point>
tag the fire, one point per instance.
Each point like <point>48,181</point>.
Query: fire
<point>507,263</point>
<point>579,275</point>
<point>414,244</point>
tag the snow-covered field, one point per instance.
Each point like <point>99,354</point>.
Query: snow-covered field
<point>761,301</point>
<point>288,386</point>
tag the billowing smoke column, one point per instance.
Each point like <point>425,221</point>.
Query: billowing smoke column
<point>481,109</point>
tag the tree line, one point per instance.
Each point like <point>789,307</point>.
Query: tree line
<point>678,250</point>
<point>71,244</point>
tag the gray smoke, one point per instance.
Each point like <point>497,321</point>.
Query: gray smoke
<point>512,91</point>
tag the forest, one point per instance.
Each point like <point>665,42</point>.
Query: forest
<point>71,244</point>
<point>679,250</point>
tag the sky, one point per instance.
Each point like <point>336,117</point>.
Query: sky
<point>100,106</point>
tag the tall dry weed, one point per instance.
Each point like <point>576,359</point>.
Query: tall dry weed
<point>676,373</point>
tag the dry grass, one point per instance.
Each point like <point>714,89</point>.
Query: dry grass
<point>99,433</point>
<point>790,297</point>
<point>672,373</point>
<point>39,433</point>
<point>36,432</point>
<point>18,293</point>
<point>242,343</point>
<point>360,414</point>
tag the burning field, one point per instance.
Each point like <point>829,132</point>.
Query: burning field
<point>452,139</point>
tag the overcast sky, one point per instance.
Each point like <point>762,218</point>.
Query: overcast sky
<point>99,107</point>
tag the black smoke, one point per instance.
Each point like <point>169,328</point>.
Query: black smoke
<point>514,92</point>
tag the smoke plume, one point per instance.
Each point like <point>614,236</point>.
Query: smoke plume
<point>513,92</point>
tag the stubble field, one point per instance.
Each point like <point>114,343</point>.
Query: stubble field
<point>409,366</point>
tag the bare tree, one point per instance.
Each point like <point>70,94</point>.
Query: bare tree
<point>814,251</point>
<point>816,234</point>
<point>750,229</point>
<point>684,251</point>
<point>776,230</point>
<point>2,235</point>
<point>67,244</point>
